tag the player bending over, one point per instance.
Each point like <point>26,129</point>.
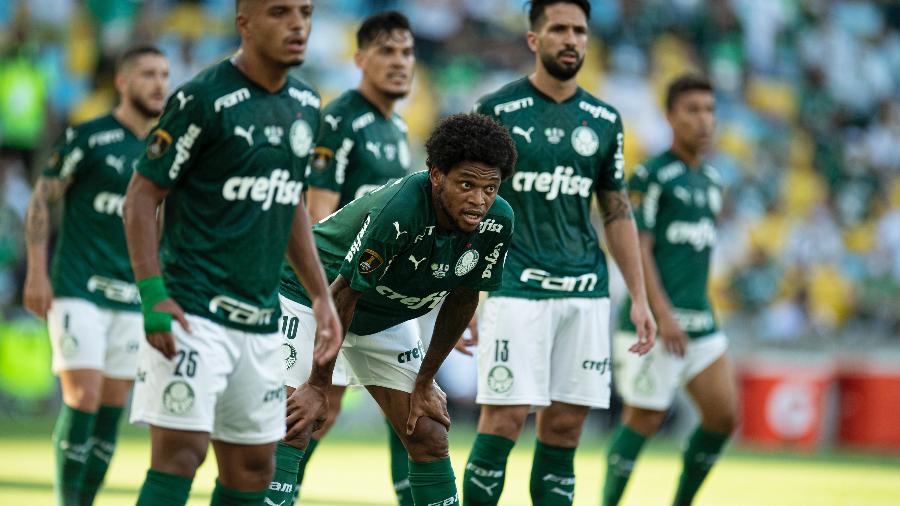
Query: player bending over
<point>392,255</point>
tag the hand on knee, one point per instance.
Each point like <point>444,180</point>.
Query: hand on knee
<point>428,442</point>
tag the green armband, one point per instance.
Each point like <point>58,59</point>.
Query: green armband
<point>153,291</point>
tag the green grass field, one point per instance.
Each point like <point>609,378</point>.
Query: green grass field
<point>352,470</point>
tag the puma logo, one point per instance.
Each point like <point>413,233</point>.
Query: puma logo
<point>569,495</point>
<point>524,133</point>
<point>375,148</point>
<point>415,262</point>
<point>333,121</point>
<point>246,134</point>
<point>489,490</point>
<point>399,232</point>
<point>183,100</point>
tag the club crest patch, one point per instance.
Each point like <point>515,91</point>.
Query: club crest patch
<point>467,261</point>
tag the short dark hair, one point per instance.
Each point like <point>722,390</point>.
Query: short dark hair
<point>536,8</point>
<point>378,24</point>
<point>685,83</point>
<point>130,55</point>
<point>470,137</point>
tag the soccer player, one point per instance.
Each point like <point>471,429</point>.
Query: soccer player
<point>362,145</point>
<point>677,199</point>
<point>228,159</point>
<point>543,336</point>
<point>90,301</point>
<point>393,255</point>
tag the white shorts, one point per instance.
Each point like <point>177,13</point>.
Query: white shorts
<point>86,336</point>
<point>537,351</point>
<point>650,382</point>
<point>222,381</point>
<point>389,359</point>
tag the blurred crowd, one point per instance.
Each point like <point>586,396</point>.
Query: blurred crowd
<point>808,105</point>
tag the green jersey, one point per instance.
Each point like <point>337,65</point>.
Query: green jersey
<point>678,205</point>
<point>388,246</point>
<point>91,258</point>
<point>358,149</point>
<point>567,151</point>
<point>233,155</point>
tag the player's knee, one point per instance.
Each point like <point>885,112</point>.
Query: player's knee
<point>502,421</point>
<point>428,442</point>
<point>562,430</point>
<point>183,461</point>
<point>643,421</point>
<point>83,398</point>
<point>723,422</point>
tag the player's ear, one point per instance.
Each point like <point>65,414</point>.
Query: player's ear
<point>241,22</point>
<point>121,80</point>
<point>359,58</point>
<point>436,176</point>
<point>531,39</point>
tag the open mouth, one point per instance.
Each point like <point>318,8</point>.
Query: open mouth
<point>472,217</point>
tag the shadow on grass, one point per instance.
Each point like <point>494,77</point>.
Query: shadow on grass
<point>114,490</point>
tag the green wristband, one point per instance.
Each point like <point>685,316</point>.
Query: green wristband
<point>153,291</point>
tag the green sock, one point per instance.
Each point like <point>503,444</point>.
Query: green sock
<point>553,475</point>
<point>624,448</point>
<point>103,444</point>
<point>287,464</point>
<point>433,482</point>
<point>71,441</point>
<point>301,471</point>
<point>224,496</point>
<point>399,468</point>
<point>164,489</point>
<point>486,470</point>
<point>702,452</point>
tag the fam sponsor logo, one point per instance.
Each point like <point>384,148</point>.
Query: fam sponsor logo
<point>598,111</point>
<point>305,97</point>
<point>583,283</point>
<point>114,289</point>
<point>183,149</point>
<point>700,234</point>
<point>430,301</point>
<point>109,203</point>
<point>232,99</point>
<point>513,105</point>
<point>240,312</point>
<point>277,188</point>
<point>562,181</point>
<point>106,137</point>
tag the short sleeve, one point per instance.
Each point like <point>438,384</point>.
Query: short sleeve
<point>331,156</point>
<point>382,236</point>
<point>644,191</point>
<point>611,173</point>
<point>66,157</point>
<point>174,145</point>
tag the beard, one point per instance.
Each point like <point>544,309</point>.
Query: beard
<point>144,109</point>
<point>559,71</point>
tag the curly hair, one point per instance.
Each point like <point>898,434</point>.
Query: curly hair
<point>470,137</point>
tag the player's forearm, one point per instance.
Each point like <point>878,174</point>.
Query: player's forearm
<point>321,203</point>
<point>141,230</point>
<point>622,241</point>
<point>656,294</point>
<point>304,257</point>
<point>37,231</point>
<point>454,317</point>
<point>345,299</point>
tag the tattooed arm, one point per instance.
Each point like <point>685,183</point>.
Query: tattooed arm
<point>38,293</point>
<point>623,244</point>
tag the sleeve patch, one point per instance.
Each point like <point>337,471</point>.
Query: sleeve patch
<point>159,144</point>
<point>370,261</point>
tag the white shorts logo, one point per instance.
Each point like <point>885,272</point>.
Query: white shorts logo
<point>500,379</point>
<point>585,141</point>
<point>289,354</point>
<point>178,397</point>
<point>466,262</point>
<point>301,138</point>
